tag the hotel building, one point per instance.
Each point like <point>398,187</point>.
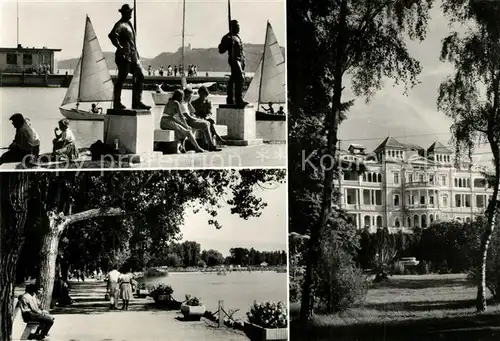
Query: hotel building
<point>406,186</point>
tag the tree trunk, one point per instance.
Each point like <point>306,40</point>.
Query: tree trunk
<point>332,123</point>
<point>486,239</point>
<point>48,256</point>
<point>13,213</point>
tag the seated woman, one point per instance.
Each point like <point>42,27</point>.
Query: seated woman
<point>197,123</point>
<point>173,119</point>
<point>95,109</point>
<point>203,110</point>
<point>64,143</point>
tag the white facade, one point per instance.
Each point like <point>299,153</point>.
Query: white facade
<point>406,186</point>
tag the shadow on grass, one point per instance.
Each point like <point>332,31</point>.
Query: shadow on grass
<point>484,327</point>
<point>404,283</point>
<point>423,305</point>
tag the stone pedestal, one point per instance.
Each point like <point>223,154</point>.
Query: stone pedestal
<point>241,124</point>
<point>133,129</point>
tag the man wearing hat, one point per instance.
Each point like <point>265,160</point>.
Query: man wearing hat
<point>122,36</point>
<point>232,44</point>
<point>25,142</point>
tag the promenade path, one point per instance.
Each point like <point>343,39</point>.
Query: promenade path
<point>89,319</point>
<point>263,155</point>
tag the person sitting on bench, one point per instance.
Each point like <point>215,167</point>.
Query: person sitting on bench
<point>26,142</point>
<point>31,311</point>
<point>203,110</point>
<point>64,145</point>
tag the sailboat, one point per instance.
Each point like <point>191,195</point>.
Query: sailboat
<point>91,81</point>
<point>159,96</point>
<point>268,84</point>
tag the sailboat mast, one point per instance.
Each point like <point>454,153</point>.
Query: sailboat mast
<point>135,22</point>
<point>81,60</point>
<point>17,22</point>
<point>262,67</point>
<point>183,33</point>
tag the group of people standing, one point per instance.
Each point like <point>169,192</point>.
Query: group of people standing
<point>26,144</point>
<point>192,71</point>
<point>120,285</point>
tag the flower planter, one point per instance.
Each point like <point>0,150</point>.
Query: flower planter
<point>258,333</point>
<point>141,293</point>
<point>192,313</point>
<point>163,298</point>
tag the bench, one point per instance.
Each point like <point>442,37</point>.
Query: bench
<point>164,140</point>
<point>31,326</point>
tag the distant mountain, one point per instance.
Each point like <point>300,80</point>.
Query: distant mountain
<point>205,59</point>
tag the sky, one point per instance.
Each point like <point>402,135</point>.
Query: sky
<point>391,112</point>
<point>264,233</point>
<point>60,23</point>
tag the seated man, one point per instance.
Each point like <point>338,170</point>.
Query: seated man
<point>64,143</point>
<point>95,109</point>
<point>203,125</point>
<point>31,311</point>
<point>26,142</point>
<point>269,110</point>
<point>203,110</point>
<point>173,119</point>
<point>281,111</point>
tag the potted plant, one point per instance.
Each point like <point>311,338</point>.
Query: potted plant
<point>161,292</point>
<point>267,321</point>
<point>142,291</point>
<point>192,308</point>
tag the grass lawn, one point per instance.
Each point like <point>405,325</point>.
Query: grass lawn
<point>428,307</point>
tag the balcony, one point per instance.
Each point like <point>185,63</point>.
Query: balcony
<point>422,207</point>
<point>422,184</point>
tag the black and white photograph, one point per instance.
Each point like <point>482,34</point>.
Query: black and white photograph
<point>394,169</point>
<point>143,84</point>
<point>144,255</point>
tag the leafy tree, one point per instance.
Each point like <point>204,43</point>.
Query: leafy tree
<point>471,96</point>
<point>212,257</point>
<point>72,197</point>
<point>360,39</point>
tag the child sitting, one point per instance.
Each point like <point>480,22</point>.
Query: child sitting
<point>64,143</point>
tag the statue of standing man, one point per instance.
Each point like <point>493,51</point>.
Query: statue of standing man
<point>122,36</point>
<point>232,44</point>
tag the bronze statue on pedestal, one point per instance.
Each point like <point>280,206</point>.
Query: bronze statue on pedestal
<point>122,36</point>
<point>232,44</point>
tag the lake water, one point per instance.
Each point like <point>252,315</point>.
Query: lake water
<point>41,106</point>
<point>237,289</point>
<point>200,73</point>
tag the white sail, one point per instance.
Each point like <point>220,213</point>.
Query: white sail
<point>270,76</point>
<point>93,82</point>
<point>72,93</point>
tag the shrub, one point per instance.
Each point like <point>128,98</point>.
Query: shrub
<point>423,268</point>
<point>193,301</point>
<point>268,315</point>
<point>160,289</point>
<point>398,269</point>
<point>294,290</point>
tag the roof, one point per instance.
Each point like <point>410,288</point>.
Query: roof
<point>438,147</point>
<point>357,146</point>
<point>389,142</point>
<point>25,49</point>
<point>412,146</point>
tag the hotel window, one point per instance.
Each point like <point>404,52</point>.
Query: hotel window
<point>479,183</point>
<point>431,179</point>
<point>431,200</point>
<point>396,178</point>
<point>467,200</point>
<point>455,182</point>
<point>378,198</point>
<point>366,197</point>
<point>410,177</point>
<point>445,201</point>
<point>12,58</point>
<point>396,199</point>
<point>27,59</point>
<point>443,180</point>
<point>458,200</point>
<point>422,200</point>
<point>421,178</point>
<point>480,200</point>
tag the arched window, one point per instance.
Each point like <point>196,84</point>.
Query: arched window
<point>431,218</point>
<point>379,178</point>
<point>460,183</point>
<point>467,220</point>
<point>367,221</point>
<point>408,222</point>
<point>437,217</point>
<point>424,221</point>
<point>415,221</point>
<point>396,222</point>
<point>379,221</point>
<point>370,177</point>
<point>456,182</point>
<point>364,177</point>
